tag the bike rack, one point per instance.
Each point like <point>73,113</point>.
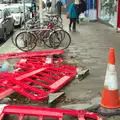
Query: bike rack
<point>42,113</point>
<point>31,54</point>
<point>43,81</point>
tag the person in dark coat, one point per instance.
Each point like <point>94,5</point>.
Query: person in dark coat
<point>43,4</point>
<point>48,4</point>
<point>59,7</point>
<point>81,8</point>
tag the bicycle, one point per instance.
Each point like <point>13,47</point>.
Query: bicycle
<point>60,39</point>
<point>55,18</point>
<point>51,35</point>
<point>43,35</point>
<point>26,41</point>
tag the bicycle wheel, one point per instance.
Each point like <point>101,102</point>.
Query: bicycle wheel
<point>53,19</point>
<point>26,41</point>
<point>38,38</point>
<point>60,24</point>
<point>57,27</point>
<point>60,19</point>
<point>13,40</point>
<point>45,37</point>
<point>60,39</point>
<point>13,37</point>
<point>57,18</point>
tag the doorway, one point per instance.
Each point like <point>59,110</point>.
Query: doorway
<point>91,11</point>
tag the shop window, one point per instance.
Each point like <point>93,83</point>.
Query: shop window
<point>108,11</point>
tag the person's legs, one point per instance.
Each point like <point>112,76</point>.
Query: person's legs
<point>70,24</point>
<point>59,13</point>
<point>77,21</point>
<point>48,9</point>
<point>74,24</point>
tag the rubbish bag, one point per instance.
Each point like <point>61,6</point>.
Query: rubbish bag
<point>81,16</point>
<point>6,67</point>
<point>67,16</point>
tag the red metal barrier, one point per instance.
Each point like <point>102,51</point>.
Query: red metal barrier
<point>43,81</point>
<point>5,78</point>
<point>27,64</point>
<point>31,54</point>
<point>5,85</point>
<point>42,113</point>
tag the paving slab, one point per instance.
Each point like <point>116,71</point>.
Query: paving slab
<point>5,101</point>
<point>77,106</point>
<point>54,96</point>
<point>96,100</point>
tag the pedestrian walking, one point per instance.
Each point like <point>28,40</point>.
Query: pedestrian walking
<point>48,4</point>
<point>83,6</point>
<point>59,7</point>
<point>73,15</point>
<point>81,9</point>
<point>43,4</point>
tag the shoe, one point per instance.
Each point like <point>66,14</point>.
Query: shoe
<point>69,29</point>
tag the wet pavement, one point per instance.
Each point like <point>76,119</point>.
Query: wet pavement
<point>89,49</point>
<point>92,42</point>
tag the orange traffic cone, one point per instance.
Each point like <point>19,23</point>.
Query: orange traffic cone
<point>110,95</point>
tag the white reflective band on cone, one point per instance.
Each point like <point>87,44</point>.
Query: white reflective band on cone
<point>111,78</point>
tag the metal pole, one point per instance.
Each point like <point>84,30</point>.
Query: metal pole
<point>40,12</point>
<point>93,4</point>
<point>97,9</point>
<point>24,14</point>
<point>53,5</point>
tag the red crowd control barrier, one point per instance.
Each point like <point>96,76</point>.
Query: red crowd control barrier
<point>41,113</point>
<point>43,81</point>
<point>31,54</point>
<point>27,64</point>
<point>5,85</point>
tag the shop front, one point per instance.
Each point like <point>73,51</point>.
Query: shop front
<point>118,18</point>
<point>91,11</point>
<point>108,12</point>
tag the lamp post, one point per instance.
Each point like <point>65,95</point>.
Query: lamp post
<point>24,14</point>
<point>53,5</point>
<point>40,12</point>
<point>33,8</point>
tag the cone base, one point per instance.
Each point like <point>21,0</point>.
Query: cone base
<point>109,107</point>
<point>110,99</point>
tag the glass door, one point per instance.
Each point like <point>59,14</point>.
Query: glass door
<point>108,11</point>
<point>91,9</point>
